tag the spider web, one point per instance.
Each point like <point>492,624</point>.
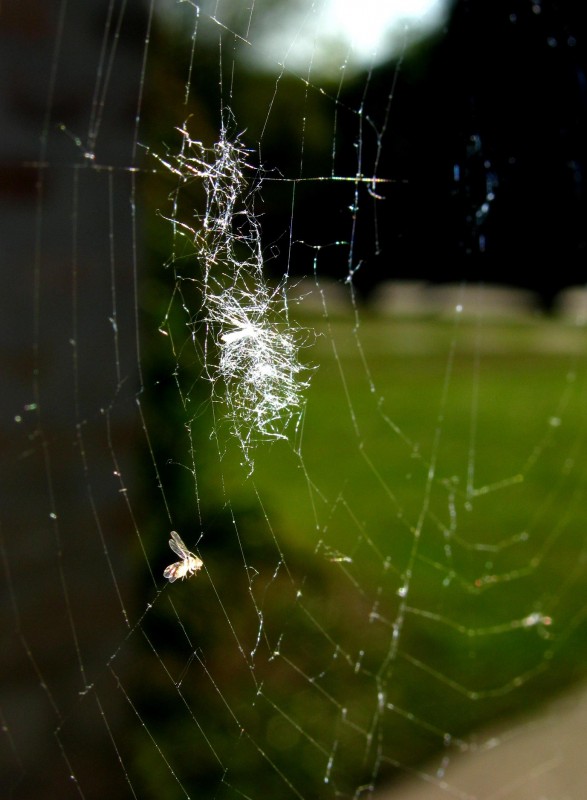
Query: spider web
<point>389,508</point>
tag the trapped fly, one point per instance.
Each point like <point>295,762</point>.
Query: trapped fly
<point>189,563</point>
<point>243,330</point>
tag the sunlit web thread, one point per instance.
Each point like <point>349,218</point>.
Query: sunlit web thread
<point>258,348</point>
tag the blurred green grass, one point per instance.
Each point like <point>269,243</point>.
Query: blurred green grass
<point>450,457</point>
<point>431,500</point>
<point>502,404</point>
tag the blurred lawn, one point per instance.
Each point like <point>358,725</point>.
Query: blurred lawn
<point>483,405</point>
<point>460,466</point>
<point>447,498</point>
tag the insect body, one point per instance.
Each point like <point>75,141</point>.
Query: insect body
<point>189,563</point>
<point>244,330</point>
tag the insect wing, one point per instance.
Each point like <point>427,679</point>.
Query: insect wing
<point>234,336</point>
<point>172,571</point>
<point>177,545</point>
